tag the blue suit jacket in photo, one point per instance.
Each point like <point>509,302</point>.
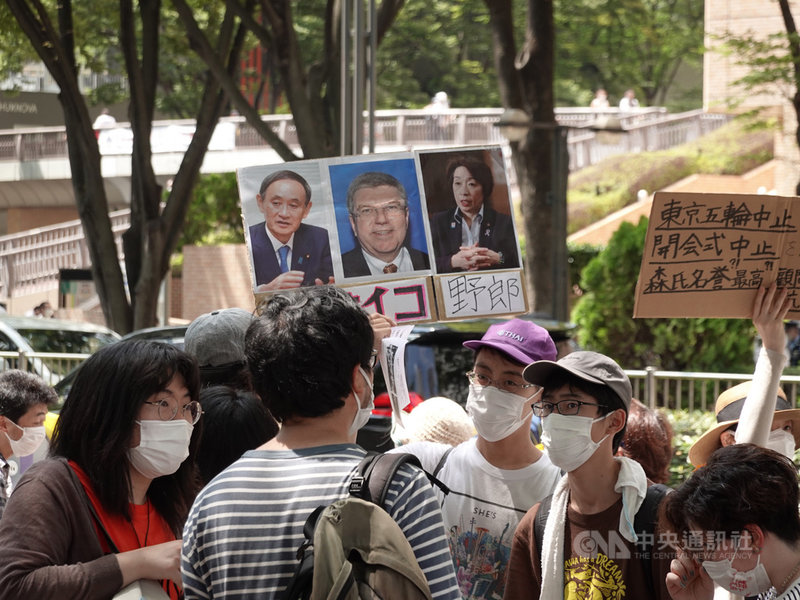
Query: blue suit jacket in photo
<point>311,253</point>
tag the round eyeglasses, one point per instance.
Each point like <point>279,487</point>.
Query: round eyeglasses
<point>167,410</point>
<point>507,385</point>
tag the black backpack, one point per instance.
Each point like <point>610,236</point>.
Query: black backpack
<point>353,549</point>
<point>644,523</point>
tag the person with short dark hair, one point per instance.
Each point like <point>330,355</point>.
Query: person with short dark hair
<point>378,207</point>
<point>474,236</point>
<point>288,253</point>
<point>497,475</point>
<point>23,407</point>
<point>589,545</point>
<point>736,517</point>
<point>311,353</point>
<point>235,421</point>
<point>112,497</point>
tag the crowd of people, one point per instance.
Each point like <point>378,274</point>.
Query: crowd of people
<point>199,468</point>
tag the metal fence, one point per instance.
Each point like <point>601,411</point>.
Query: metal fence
<point>692,391</point>
<point>51,366</point>
<point>656,389</point>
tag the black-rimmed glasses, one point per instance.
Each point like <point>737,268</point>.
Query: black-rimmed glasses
<point>565,407</point>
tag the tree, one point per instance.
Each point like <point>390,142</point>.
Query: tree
<point>154,231</point>
<point>620,44</point>
<point>603,315</point>
<point>526,83</point>
<point>311,84</point>
<point>773,61</point>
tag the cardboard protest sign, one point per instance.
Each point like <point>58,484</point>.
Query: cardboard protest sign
<point>466,295</point>
<point>381,226</point>
<point>706,255</point>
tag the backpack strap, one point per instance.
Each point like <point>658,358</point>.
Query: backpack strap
<point>644,523</point>
<point>539,521</point>
<point>442,460</point>
<point>375,474</point>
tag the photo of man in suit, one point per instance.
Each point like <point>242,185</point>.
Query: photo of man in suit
<point>288,253</point>
<point>377,204</point>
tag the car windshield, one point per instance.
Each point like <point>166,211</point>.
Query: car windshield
<point>66,342</point>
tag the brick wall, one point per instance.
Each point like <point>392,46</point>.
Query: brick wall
<point>22,219</point>
<point>215,277</point>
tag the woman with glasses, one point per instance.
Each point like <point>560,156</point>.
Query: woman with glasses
<point>473,236</point>
<point>107,507</point>
<point>736,522</point>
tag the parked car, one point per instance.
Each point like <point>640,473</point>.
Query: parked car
<point>171,334</point>
<point>32,336</point>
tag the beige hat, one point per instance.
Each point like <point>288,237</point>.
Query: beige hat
<point>728,408</point>
<point>439,420</point>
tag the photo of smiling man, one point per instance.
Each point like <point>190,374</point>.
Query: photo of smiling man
<point>379,213</point>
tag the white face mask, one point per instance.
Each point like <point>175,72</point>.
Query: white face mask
<point>363,414</point>
<point>496,413</point>
<point>743,583</point>
<point>163,446</point>
<point>568,439</point>
<point>781,441</point>
<point>32,438</point>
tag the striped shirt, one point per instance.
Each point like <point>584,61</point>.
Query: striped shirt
<point>241,538</point>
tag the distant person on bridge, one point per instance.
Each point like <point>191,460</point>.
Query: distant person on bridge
<point>629,101</point>
<point>104,120</point>
<point>288,253</point>
<point>600,99</point>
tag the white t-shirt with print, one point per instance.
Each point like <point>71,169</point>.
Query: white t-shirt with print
<point>482,510</point>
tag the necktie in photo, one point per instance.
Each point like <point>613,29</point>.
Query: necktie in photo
<point>390,268</point>
<point>283,251</point>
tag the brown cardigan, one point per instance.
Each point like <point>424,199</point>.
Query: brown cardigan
<point>48,543</point>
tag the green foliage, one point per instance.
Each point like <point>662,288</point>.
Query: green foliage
<point>769,64</point>
<point>687,426</point>
<point>601,189</point>
<point>578,256</point>
<point>435,46</point>
<point>214,215</point>
<point>605,324</point>
<point>617,44</point>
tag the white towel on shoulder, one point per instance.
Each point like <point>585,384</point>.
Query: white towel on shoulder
<point>631,483</point>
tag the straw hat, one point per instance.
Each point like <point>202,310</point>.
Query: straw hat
<point>439,420</point>
<point>728,409</point>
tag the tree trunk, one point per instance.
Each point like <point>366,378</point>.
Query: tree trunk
<point>56,51</point>
<point>526,82</point>
<point>794,51</point>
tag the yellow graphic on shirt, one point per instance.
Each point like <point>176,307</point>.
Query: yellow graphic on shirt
<point>595,578</point>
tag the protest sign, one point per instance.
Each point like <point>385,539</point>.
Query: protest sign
<point>706,255</point>
<point>384,226</point>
